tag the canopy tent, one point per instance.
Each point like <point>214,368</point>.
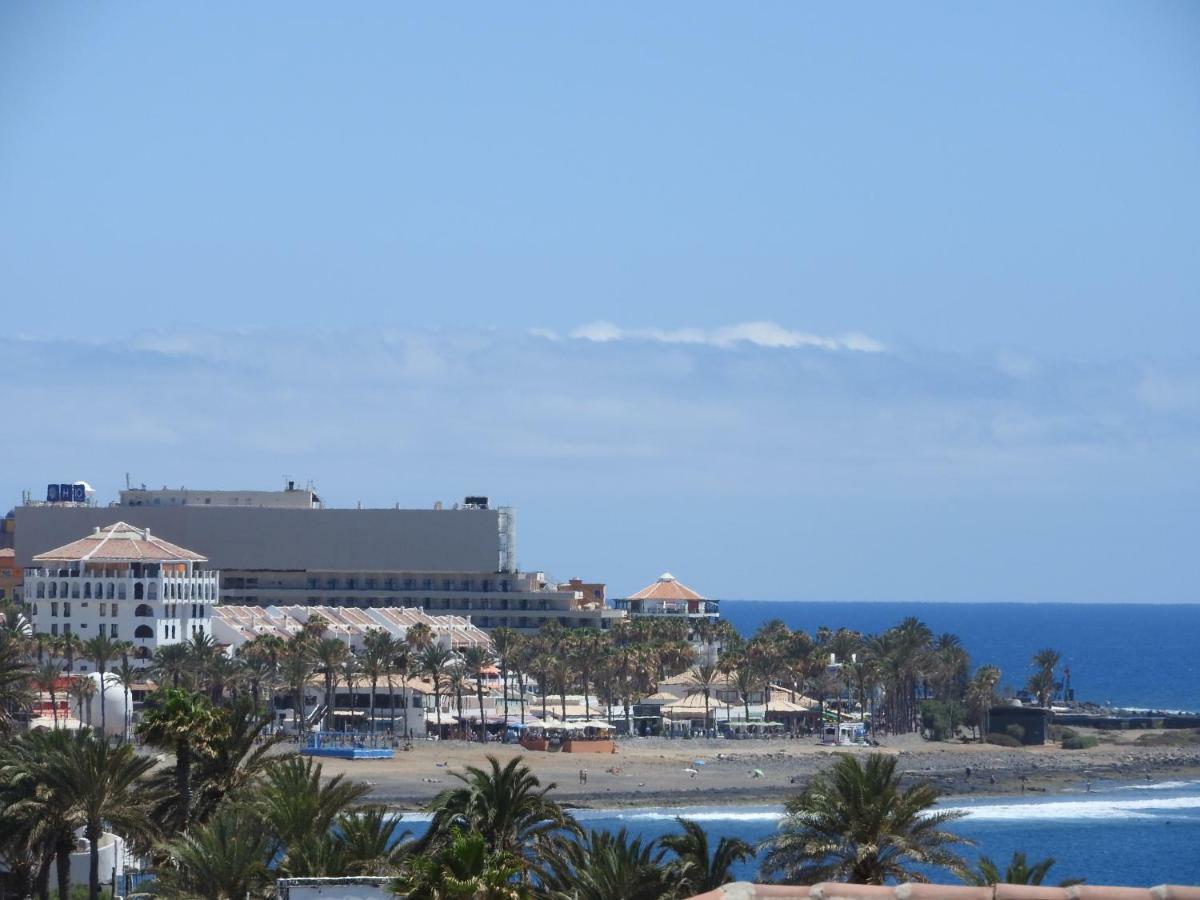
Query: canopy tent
<point>693,707</point>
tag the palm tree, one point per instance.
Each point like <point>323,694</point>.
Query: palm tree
<point>1018,871</point>
<point>1041,683</point>
<point>504,645</point>
<point>226,858</point>
<point>402,664</point>
<point>476,659</point>
<point>171,663</point>
<point>127,677</point>
<point>236,759</point>
<point>704,679</point>
<point>331,653</point>
<point>68,646</point>
<point>297,803</point>
<point>854,823</point>
<point>746,680</point>
<point>462,868</point>
<point>374,661</point>
<point>695,870</point>
<point>37,823</point>
<point>298,665</point>
<point>82,690</point>
<point>435,661</point>
<point>981,694</point>
<point>507,805</point>
<point>351,670</point>
<point>607,866</point>
<point>186,724</point>
<point>102,784</point>
<point>102,650</point>
<point>396,651</point>
<point>16,671</point>
<point>45,678</point>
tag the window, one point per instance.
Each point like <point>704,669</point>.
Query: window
<point>54,630</point>
<point>41,590</point>
<point>143,611</point>
<point>103,610</point>
<point>112,630</point>
<point>54,609</point>
<point>143,631</point>
<point>66,609</point>
<point>110,592</point>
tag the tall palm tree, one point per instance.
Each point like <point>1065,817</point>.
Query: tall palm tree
<point>185,723</point>
<point>697,869</point>
<point>102,784</point>
<point>854,823</point>
<point>435,662</point>
<point>82,690</point>
<point>172,664</point>
<point>68,646</point>
<point>375,652</point>
<point>351,672</point>
<point>296,667</point>
<point>403,661</point>
<point>236,759</point>
<point>102,650</point>
<point>704,679</point>
<point>37,823</point>
<point>507,805</point>
<point>1041,682</point>
<point>504,645</point>
<point>127,677</point>
<point>476,659</point>
<point>45,678</point>
<point>331,653</point>
<point>981,694</point>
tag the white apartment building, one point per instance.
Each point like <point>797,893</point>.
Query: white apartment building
<point>125,583</point>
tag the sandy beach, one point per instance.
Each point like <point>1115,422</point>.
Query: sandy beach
<point>651,771</point>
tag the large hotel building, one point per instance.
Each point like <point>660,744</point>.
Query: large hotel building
<point>283,548</point>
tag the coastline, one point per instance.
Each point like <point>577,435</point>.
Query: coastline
<point>653,772</point>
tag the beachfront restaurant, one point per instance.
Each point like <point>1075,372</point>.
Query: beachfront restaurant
<point>569,737</point>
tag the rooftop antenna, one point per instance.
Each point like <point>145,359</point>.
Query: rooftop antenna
<point>127,485</point>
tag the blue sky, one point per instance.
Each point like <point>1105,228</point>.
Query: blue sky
<point>894,303</point>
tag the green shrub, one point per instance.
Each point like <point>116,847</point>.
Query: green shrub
<point>1060,732</point>
<point>1016,732</point>
<point>1079,742</point>
<point>940,719</point>
<point>1002,740</point>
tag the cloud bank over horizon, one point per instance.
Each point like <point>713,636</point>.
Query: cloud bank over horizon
<point>628,451</point>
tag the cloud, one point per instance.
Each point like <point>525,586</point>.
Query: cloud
<point>758,334</point>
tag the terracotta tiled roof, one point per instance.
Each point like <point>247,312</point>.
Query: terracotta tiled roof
<point>741,890</point>
<point>666,588</point>
<point>120,542</point>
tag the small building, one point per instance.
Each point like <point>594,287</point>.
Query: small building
<point>1032,720</point>
<point>10,576</point>
<point>125,583</point>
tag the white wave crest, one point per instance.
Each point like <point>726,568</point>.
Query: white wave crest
<point>1161,786</point>
<point>1147,808</point>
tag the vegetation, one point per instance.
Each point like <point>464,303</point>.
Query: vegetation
<point>854,823</point>
<point>987,873</point>
<point>1000,739</point>
<point>1079,742</point>
<point>231,810</point>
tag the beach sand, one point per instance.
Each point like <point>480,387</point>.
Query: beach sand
<point>651,771</point>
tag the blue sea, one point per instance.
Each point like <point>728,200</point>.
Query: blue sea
<point>1141,835</point>
<point>1134,655</point>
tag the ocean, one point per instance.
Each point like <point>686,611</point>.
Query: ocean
<point>1141,835</point>
<point>1134,655</point>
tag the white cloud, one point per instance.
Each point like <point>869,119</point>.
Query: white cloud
<point>758,334</point>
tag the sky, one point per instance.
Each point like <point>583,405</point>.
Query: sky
<point>795,301</point>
